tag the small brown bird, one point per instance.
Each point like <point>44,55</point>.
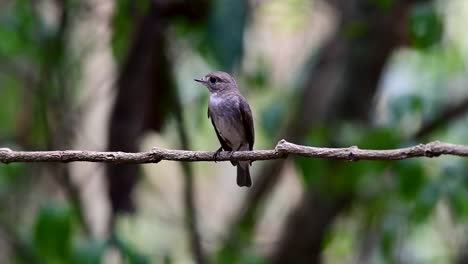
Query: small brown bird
<point>231,118</point>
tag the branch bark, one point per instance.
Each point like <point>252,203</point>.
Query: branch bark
<point>281,151</point>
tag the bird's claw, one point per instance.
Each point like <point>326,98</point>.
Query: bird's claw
<point>215,156</point>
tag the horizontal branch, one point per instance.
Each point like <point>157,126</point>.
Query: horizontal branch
<point>281,151</point>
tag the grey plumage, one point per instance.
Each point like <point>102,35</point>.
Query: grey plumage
<point>231,118</point>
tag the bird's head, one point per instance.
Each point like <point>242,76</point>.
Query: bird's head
<point>218,81</point>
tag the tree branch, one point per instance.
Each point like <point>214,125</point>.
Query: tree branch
<point>281,151</point>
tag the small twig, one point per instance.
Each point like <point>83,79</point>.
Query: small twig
<point>282,150</point>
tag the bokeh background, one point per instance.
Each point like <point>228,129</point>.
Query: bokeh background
<point>118,75</point>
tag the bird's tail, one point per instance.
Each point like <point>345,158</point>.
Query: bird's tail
<point>243,174</point>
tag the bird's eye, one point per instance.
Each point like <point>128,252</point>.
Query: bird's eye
<point>212,80</point>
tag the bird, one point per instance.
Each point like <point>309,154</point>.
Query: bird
<point>231,118</point>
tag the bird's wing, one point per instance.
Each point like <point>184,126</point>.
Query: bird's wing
<point>222,141</point>
<point>247,120</point>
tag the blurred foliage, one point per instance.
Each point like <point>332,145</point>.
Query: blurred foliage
<point>10,108</point>
<point>131,255</point>
<point>230,257</point>
<point>224,35</point>
<point>384,4</point>
<point>394,198</point>
<point>20,29</point>
<point>90,252</point>
<point>9,175</point>
<point>237,250</point>
<point>272,116</point>
<point>392,194</point>
<point>126,15</point>
<point>55,238</point>
<point>356,29</point>
<point>220,39</point>
<point>52,233</point>
<point>425,26</point>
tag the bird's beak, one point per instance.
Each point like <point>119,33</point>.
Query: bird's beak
<point>202,80</point>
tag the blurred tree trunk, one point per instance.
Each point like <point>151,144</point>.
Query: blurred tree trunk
<point>369,34</point>
<point>141,104</point>
<point>146,95</point>
<point>144,92</point>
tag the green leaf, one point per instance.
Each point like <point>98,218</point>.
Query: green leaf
<point>410,178</point>
<point>425,26</point>
<point>53,232</point>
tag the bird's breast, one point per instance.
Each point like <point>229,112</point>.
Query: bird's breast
<point>224,105</point>
<point>226,117</point>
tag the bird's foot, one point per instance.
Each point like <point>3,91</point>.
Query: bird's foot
<point>215,156</point>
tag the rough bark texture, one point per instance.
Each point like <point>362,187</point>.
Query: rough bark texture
<point>282,150</point>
